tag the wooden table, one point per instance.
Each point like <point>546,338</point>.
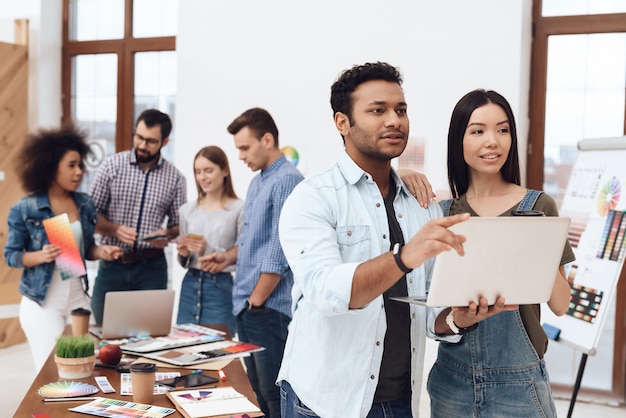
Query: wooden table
<point>34,404</point>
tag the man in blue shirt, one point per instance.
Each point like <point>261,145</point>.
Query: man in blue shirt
<point>355,237</point>
<point>263,280</point>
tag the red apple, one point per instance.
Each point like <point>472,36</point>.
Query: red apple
<point>110,354</point>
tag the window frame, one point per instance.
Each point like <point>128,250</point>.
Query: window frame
<point>125,49</point>
<point>543,27</point>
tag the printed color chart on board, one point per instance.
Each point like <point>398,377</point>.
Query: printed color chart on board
<point>595,203</point>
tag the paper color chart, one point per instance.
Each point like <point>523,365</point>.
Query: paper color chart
<point>584,303</point>
<point>105,407</point>
<point>612,238</point>
<point>69,262</point>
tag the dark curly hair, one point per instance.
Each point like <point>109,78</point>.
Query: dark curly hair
<point>39,158</point>
<point>342,89</point>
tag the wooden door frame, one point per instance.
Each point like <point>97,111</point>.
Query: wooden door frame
<point>543,27</point>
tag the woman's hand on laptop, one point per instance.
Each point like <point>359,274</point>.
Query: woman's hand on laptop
<point>466,316</point>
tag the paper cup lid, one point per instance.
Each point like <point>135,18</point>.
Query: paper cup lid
<point>143,367</point>
<point>81,312</point>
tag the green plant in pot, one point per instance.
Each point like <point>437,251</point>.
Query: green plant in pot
<point>75,356</point>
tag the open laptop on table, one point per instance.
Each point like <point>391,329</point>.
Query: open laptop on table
<point>136,313</point>
<point>514,257</point>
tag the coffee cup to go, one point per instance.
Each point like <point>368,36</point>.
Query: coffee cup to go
<point>80,321</point>
<point>142,377</point>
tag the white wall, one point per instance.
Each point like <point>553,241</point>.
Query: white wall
<point>284,55</point>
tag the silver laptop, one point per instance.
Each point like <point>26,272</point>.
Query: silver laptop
<point>136,313</point>
<point>514,257</point>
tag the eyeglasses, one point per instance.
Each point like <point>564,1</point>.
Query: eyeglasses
<point>148,141</point>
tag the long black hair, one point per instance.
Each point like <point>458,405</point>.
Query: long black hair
<point>458,170</point>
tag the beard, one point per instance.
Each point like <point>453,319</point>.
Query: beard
<point>146,158</point>
<point>367,144</point>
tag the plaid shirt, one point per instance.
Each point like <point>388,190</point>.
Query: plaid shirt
<point>126,195</point>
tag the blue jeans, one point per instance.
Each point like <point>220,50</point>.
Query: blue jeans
<point>206,298</point>
<point>292,407</point>
<point>267,328</point>
<point>114,276</point>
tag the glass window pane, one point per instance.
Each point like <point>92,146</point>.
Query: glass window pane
<point>567,61</point>
<point>581,7</point>
<point>94,105</point>
<point>564,127</point>
<point>153,18</point>
<point>155,87</point>
<point>607,61</point>
<point>584,99</point>
<point>586,86</point>
<point>91,20</point>
<point>604,113</point>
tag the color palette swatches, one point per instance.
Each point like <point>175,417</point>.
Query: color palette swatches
<point>69,262</point>
<point>612,243</point>
<point>104,407</point>
<point>66,389</point>
<point>584,303</point>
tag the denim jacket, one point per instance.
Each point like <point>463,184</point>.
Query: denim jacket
<point>26,233</point>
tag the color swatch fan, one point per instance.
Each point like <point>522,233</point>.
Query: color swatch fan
<point>59,232</point>
<point>66,389</point>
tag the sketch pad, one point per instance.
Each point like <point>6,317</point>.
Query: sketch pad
<point>514,257</point>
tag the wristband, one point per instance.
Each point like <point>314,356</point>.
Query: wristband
<point>396,256</point>
<point>456,329</point>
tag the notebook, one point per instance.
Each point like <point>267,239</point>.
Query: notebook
<point>514,257</point>
<point>136,313</point>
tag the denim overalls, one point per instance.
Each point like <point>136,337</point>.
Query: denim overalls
<point>494,371</point>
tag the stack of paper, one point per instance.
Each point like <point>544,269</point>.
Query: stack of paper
<point>215,402</point>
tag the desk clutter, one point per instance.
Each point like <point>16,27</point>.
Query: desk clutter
<point>211,401</point>
<point>181,335</point>
<point>177,388</point>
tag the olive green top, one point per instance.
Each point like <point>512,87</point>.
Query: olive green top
<point>531,314</point>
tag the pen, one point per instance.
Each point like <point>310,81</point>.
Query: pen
<point>75,399</point>
<point>222,375</point>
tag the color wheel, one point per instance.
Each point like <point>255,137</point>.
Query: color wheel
<point>291,154</point>
<point>609,195</point>
<point>66,389</point>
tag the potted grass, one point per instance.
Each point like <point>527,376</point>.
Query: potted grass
<point>75,357</point>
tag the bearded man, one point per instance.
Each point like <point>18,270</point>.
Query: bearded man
<point>135,191</point>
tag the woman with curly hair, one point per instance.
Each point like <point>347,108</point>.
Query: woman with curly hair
<point>51,168</point>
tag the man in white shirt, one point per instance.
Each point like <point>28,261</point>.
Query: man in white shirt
<point>354,237</point>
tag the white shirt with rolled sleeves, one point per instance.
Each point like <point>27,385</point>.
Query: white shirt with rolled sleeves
<point>331,223</point>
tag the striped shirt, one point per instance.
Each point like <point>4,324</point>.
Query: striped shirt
<point>259,247</point>
<point>126,195</point>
